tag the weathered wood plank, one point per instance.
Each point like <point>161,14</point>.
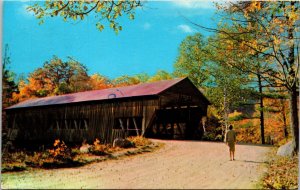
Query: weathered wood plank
<point>136,127</point>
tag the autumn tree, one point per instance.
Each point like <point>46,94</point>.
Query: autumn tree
<point>278,103</point>
<point>98,82</point>
<point>276,29</point>
<point>24,92</point>
<point>104,11</point>
<point>56,77</point>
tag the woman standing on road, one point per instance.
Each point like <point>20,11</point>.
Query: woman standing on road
<point>230,140</point>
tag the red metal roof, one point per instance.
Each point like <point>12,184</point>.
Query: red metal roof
<point>143,89</point>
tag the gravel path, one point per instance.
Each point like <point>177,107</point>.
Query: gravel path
<point>179,164</point>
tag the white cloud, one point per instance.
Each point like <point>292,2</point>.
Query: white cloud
<point>147,26</point>
<point>193,4</point>
<point>185,28</point>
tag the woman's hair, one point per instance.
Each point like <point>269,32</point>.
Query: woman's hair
<point>230,127</point>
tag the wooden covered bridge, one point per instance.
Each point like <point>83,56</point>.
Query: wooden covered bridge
<point>170,109</point>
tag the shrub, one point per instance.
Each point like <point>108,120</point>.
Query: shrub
<point>218,138</point>
<point>209,137</point>
<point>61,151</point>
<point>139,140</point>
<point>14,157</point>
<point>75,151</point>
<point>98,149</point>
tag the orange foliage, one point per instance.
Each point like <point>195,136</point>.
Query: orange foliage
<point>60,149</point>
<point>248,130</point>
<point>98,82</point>
<point>25,92</point>
<point>40,88</point>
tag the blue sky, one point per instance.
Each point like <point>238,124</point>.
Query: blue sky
<point>146,44</point>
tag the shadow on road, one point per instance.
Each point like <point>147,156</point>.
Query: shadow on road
<point>251,161</point>
<point>250,144</point>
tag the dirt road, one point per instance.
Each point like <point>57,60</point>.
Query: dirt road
<point>179,164</point>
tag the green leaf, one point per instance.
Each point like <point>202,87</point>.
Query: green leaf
<point>112,25</point>
<point>99,26</point>
<point>131,16</point>
<point>41,22</point>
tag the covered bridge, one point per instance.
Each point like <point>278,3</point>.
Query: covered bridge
<point>170,109</point>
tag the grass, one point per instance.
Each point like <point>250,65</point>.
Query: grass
<point>7,167</point>
<point>282,172</point>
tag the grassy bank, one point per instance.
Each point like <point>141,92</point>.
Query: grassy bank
<point>282,172</point>
<point>62,156</point>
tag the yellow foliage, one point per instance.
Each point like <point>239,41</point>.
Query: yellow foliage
<point>234,114</point>
<point>254,6</point>
<point>99,148</point>
<point>282,173</point>
<point>139,140</point>
<point>98,82</point>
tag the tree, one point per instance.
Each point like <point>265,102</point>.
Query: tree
<point>39,84</point>
<point>232,54</point>
<point>65,77</point>
<point>24,92</point>
<point>8,80</point>
<point>191,59</point>
<point>56,77</point>
<point>102,10</point>
<point>143,77</point>
<point>160,75</point>
<point>126,80</point>
<point>227,89</point>
<point>276,27</point>
<point>98,82</point>
<point>204,64</point>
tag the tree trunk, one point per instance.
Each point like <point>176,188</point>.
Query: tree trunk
<point>294,116</point>
<point>293,90</point>
<point>261,106</point>
<point>225,108</point>
<point>283,113</point>
<point>224,131</point>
